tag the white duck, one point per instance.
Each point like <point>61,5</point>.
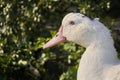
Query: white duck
<point>99,61</point>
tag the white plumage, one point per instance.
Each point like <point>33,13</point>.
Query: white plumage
<point>99,61</point>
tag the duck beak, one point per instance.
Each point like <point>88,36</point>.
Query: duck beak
<point>58,38</point>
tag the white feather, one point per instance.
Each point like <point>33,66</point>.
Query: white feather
<point>99,61</point>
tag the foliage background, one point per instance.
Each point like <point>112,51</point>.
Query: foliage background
<point>26,25</point>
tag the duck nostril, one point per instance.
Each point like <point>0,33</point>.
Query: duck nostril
<point>64,38</point>
<point>56,35</point>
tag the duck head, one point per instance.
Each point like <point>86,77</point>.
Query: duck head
<point>77,28</point>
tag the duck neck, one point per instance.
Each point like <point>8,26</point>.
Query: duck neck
<point>103,52</point>
<point>94,59</point>
<point>101,48</point>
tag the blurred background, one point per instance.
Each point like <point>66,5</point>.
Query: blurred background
<point>26,25</point>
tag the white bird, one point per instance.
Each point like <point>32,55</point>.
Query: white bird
<point>99,61</point>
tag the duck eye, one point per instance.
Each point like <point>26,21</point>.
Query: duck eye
<point>72,23</point>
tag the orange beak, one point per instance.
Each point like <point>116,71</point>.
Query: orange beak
<point>58,38</point>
